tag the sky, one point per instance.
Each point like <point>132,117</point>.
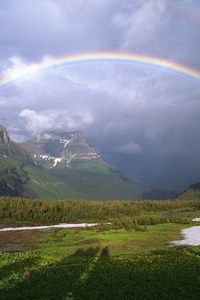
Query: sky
<point>121,107</point>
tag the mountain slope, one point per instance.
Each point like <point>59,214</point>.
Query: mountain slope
<point>12,177</point>
<point>44,185</point>
<point>68,157</point>
<point>10,149</point>
<point>107,185</point>
<point>20,177</point>
<point>191,193</point>
<point>12,159</point>
<point>62,149</point>
<point>62,165</point>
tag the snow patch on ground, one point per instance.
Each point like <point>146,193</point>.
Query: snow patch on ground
<point>191,237</point>
<point>196,220</point>
<point>64,225</point>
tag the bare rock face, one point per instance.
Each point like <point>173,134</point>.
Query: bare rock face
<point>4,137</point>
<point>12,159</point>
<point>10,149</point>
<point>62,149</point>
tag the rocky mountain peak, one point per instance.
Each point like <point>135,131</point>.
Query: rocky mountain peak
<point>4,137</point>
<point>62,149</point>
<point>10,149</point>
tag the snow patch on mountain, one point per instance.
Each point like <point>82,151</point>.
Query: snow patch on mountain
<point>57,160</point>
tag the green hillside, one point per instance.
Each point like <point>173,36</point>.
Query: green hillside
<point>193,192</point>
<point>28,180</point>
<point>44,185</point>
<point>86,182</point>
<point>106,184</point>
<point>12,177</point>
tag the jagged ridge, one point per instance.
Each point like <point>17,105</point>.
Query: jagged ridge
<point>62,149</point>
<point>10,149</point>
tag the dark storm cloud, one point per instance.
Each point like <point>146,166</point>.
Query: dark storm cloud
<point>136,108</point>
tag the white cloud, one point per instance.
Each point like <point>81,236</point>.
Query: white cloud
<point>46,120</point>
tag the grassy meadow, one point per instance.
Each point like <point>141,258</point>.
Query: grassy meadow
<point>131,258</point>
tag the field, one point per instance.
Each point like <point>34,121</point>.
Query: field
<point>132,258</point>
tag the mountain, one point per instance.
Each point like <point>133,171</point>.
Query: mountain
<point>12,159</point>
<point>62,165</point>
<point>10,149</point>
<point>191,193</point>
<point>19,176</point>
<point>63,149</point>
<point>68,157</point>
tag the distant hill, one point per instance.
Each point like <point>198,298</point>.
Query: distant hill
<point>191,193</point>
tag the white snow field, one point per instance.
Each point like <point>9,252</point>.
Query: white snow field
<point>191,236</point>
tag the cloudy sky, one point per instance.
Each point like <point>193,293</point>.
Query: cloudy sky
<point>129,108</point>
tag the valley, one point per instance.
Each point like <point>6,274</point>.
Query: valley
<point>62,165</point>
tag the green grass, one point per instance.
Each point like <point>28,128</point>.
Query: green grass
<point>70,264</point>
<point>119,241</point>
<point>128,259</point>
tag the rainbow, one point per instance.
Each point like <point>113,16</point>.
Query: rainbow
<point>99,57</point>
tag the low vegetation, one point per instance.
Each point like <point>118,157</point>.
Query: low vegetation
<point>94,274</point>
<point>131,258</point>
<point>118,212</point>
